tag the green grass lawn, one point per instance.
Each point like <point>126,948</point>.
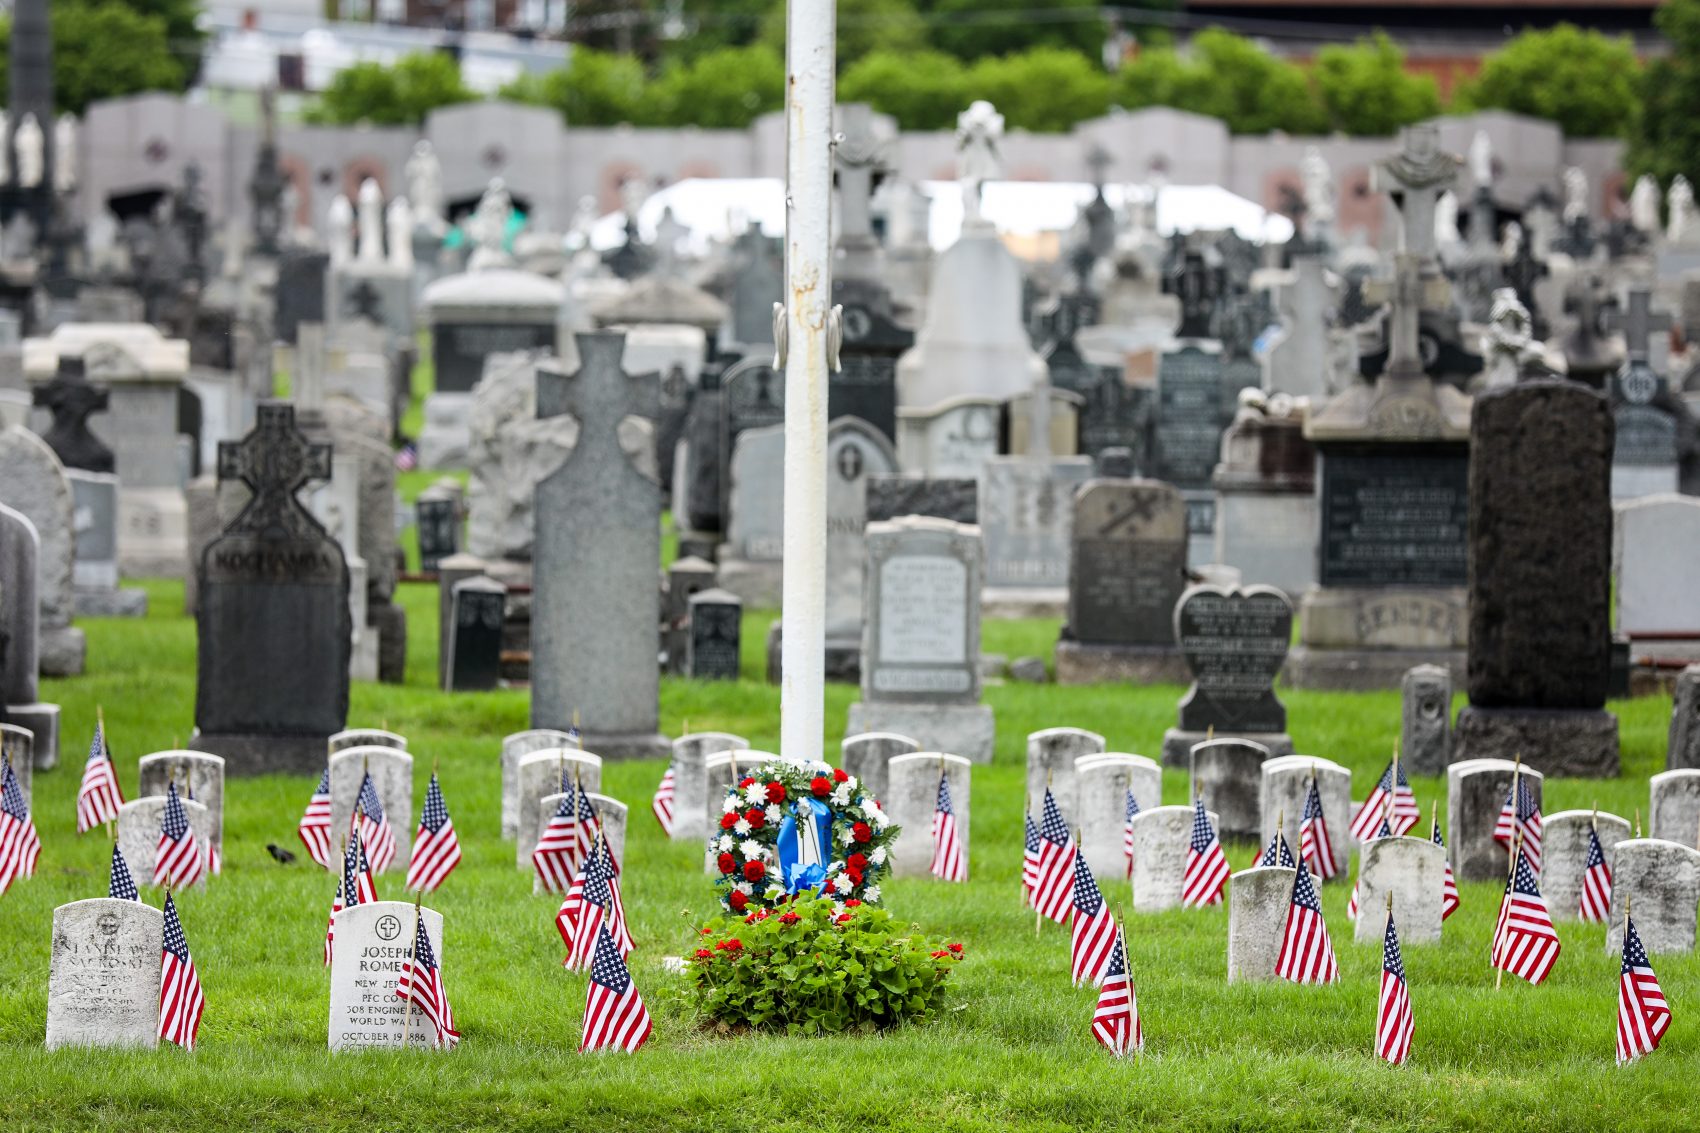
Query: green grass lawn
<point>1013,1051</point>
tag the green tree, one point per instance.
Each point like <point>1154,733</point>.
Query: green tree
<point>1366,90</point>
<point>975,29</point>
<point>104,50</point>
<point>724,89</point>
<point>864,26</point>
<point>925,90</point>
<point>400,95</point>
<point>595,88</point>
<point>1665,137</point>
<point>1046,89</point>
<point>1225,76</point>
<point>1586,82</point>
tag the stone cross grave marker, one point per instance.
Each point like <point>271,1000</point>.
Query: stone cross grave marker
<point>72,399</point>
<point>1416,177</point>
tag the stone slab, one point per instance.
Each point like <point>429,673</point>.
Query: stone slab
<point>1363,670</point>
<point>1573,743</point>
<point>691,795</point>
<point>202,772</point>
<point>1413,870</point>
<point>1258,901</point>
<point>1160,838</point>
<point>1475,793</point>
<point>1661,882</point>
<point>1673,807</point>
<point>539,776</point>
<point>1079,663</point>
<point>968,730</point>
<point>392,778</point>
<point>1051,755</point>
<point>1284,784</point>
<point>1564,856</point>
<point>1178,744</point>
<point>1102,783</point>
<point>911,792</point>
<point>139,822</point>
<point>867,755</point>
<point>514,748</point>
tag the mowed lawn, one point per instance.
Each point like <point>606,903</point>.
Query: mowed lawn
<point>1013,1051</point>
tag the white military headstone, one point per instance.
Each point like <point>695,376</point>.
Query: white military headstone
<point>690,780</point>
<point>373,942</point>
<point>1283,788</point>
<point>1051,755</point>
<point>514,748</point>
<point>1673,808</point>
<point>1414,871</point>
<point>866,756</point>
<point>103,978</point>
<point>366,737</point>
<point>1564,856</point>
<point>1258,900</point>
<point>1475,792</point>
<point>540,777</point>
<point>1160,839</point>
<point>198,775</point>
<point>392,777</point>
<point>1102,783</point>
<point>139,822</point>
<point>909,800</point>
<point>1661,882</point>
<point>610,812</point>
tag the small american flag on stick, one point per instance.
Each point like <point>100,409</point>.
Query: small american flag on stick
<point>177,859</point>
<point>421,983</point>
<point>1053,892</point>
<point>614,1015</point>
<point>1449,887</point>
<point>561,848</point>
<point>120,883</point>
<point>1307,955</point>
<point>315,825</point>
<point>1393,1022</point>
<point>374,826</point>
<point>1392,788</point>
<point>949,861</point>
<point>1093,931</point>
<point>1115,1020</point>
<point>1316,845</point>
<point>1030,860</point>
<point>1206,865</point>
<point>1595,903</point>
<point>436,849</point>
<point>1129,810</point>
<point>1525,943</point>
<point>180,1000</point>
<point>99,796</point>
<point>662,804</point>
<point>20,847</point>
<point>1520,816</point>
<point>1643,1015</point>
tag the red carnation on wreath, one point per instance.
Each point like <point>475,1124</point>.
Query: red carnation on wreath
<point>776,792</point>
<point>820,786</point>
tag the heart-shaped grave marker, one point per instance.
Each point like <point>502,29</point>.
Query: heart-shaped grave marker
<point>1235,642</point>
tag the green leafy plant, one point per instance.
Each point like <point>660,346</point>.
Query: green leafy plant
<point>1585,81</point>
<point>810,969</point>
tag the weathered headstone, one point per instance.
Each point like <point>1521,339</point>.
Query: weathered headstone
<point>20,615</point>
<point>273,616</point>
<point>951,440</point>
<point>750,560</point>
<point>1564,856</point>
<point>1051,755</point>
<point>104,975</point>
<point>611,815</point>
<point>1102,783</point>
<point>1413,870</point>
<point>596,605</point>
<point>691,798</point>
<point>1235,642</point>
<point>538,777</point>
<point>1026,515</point>
<point>516,747</point>
<point>1476,790</point>
<point>1673,807</point>
<point>1540,540</point>
<point>139,822</point>
<point>712,649</point>
<point>94,572</point>
<point>373,943</point>
<point>72,399</point>
<point>199,776</point>
<point>1662,881</point>
<point>909,797</point>
<point>1258,901</point>
<point>1265,486</point>
<point>33,482</point>
<point>865,385</point>
<point>1284,785</point>
<point>752,396</point>
<point>1683,746</point>
<point>855,452</point>
<point>392,777</point>
<point>17,747</point>
<point>365,737</point>
<point>475,635</point>
<point>1126,572</point>
<point>892,497</point>
<point>921,645</point>
<point>1655,541</point>
<point>1426,719</point>
<point>437,520</point>
<point>866,755</point>
<point>1228,775</point>
<point>686,576</point>
<point>1160,837</point>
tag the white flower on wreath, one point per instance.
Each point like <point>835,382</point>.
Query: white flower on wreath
<point>834,867</point>
<point>741,827</point>
<point>843,884</point>
<point>724,843</point>
<point>773,814</point>
<point>841,796</point>
<point>756,793</point>
<point>751,849</point>
<point>877,856</point>
<point>731,803</point>
<point>871,893</point>
<point>847,835</point>
<point>745,888</point>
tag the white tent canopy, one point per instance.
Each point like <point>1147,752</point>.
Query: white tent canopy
<point>717,209</point>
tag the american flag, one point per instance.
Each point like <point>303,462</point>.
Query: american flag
<point>1595,905</point>
<point>1206,865</point>
<point>949,862</point>
<point>100,796</point>
<point>1278,853</point>
<point>436,850</point>
<point>374,826</point>
<point>1643,1016</point>
<point>560,848</point>
<point>120,883</point>
<point>354,886</point>
<point>19,845</point>
<point>1307,955</point>
<point>1395,786</point>
<point>1525,943</point>
<point>1393,1022</point>
<point>614,1015</point>
<point>407,457</point>
<point>1131,809</point>
<point>1385,831</point>
<point>1094,930</point>
<point>177,859</point>
<point>662,803</point>
<point>598,906</point>
<point>1449,888</point>
<point>315,824</point>
<point>1115,1021</point>
<point>180,998</point>
<point>1053,891</point>
<point>421,981</point>
<point>1524,818</point>
<point>1316,845</point>
<point>1030,859</point>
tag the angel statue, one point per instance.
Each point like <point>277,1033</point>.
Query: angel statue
<point>978,131</point>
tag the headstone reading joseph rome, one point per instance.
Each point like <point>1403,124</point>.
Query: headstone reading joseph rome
<point>373,942</point>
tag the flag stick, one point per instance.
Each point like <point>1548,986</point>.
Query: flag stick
<point>413,956</point>
<point>1038,914</point>
<point>1433,818</point>
<point>1638,822</point>
<point>1026,813</point>
<point>1516,806</point>
<point>577,737</point>
<point>1516,846</point>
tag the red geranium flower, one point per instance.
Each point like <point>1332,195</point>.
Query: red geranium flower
<point>820,786</point>
<point>857,861</point>
<point>842,918</point>
<point>704,954</point>
<point>754,871</point>
<point>852,903</point>
<point>776,792</point>
<point>737,900</point>
<point>839,775</point>
<point>789,918</point>
<point>862,832</point>
<point>708,932</point>
<point>956,948</point>
<point>940,955</point>
<point>729,820</point>
<point>728,863</point>
<point>734,945</point>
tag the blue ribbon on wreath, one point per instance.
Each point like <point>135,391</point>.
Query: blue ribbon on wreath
<point>799,875</point>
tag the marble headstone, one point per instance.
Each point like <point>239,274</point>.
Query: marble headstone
<point>373,942</point>
<point>104,975</point>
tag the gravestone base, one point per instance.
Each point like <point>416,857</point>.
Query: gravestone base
<point>1024,602</point>
<point>1178,744</point>
<point>62,651</point>
<point>389,622</point>
<point>758,582</point>
<point>43,721</point>
<point>113,603</point>
<point>1558,742</point>
<point>1362,670</point>
<point>843,657</point>
<point>968,730</point>
<point>1082,663</point>
<point>628,745</point>
<point>255,753</point>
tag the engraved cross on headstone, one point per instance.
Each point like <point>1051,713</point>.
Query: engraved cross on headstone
<point>1418,174</point>
<point>1639,324</point>
<point>276,461</point>
<point>599,395</point>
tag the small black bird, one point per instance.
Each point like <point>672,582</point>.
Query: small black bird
<point>283,856</point>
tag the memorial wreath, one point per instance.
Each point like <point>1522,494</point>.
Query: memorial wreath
<point>789,828</point>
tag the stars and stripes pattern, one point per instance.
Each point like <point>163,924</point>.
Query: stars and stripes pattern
<point>1115,1021</point>
<point>99,796</point>
<point>1449,901</point>
<point>436,848</point>
<point>354,886</point>
<point>1030,859</point>
<point>1383,831</point>
<point>614,1015</point>
<point>20,846</point>
<point>180,1000</point>
<point>120,883</point>
<point>598,906</point>
<point>421,982</point>
<point>177,859</point>
<point>1643,1015</point>
<point>1131,809</point>
<point>1520,815</point>
<point>1393,787</point>
<point>950,863</point>
<point>1053,891</point>
<point>1394,1023</point>
<point>315,825</point>
<point>1595,903</point>
<point>1525,943</point>
<point>1307,955</point>
<point>662,804</point>
<point>1206,865</point>
<point>374,826</point>
<point>1316,845</point>
<point>561,850</point>
<point>1093,931</point>
<point>1278,853</point>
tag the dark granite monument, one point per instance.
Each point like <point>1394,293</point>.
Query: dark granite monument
<point>715,631</point>
<point>475,635</point>
<point>890,497</point>
<point>71,398</point>
<point>1235,642</point>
